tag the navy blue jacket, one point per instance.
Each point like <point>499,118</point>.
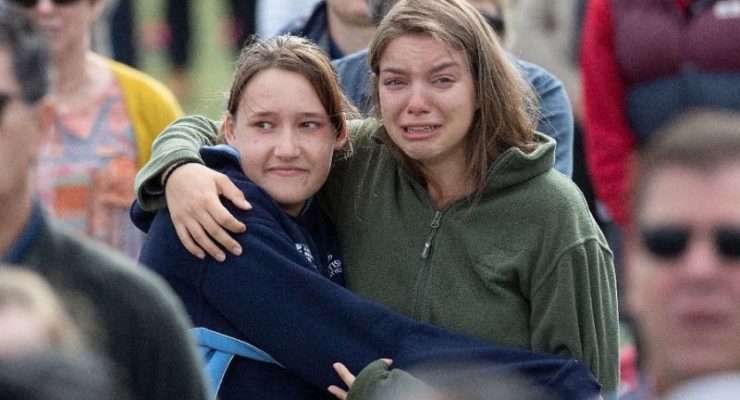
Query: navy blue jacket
<point>275,299</point>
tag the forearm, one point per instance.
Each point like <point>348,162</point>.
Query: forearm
<point>178,142</point>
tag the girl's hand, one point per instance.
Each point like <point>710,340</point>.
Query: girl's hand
<point>348,378</point>
<point>192,193</point>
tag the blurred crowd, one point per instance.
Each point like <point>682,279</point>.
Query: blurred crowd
<point>641,97</point>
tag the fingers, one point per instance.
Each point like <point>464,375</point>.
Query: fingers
<point>201,220</point>
<point>227,189</point>
<point>203,240</point>
<point>187,241</point>
<point>337,392</point>
<point>347,377</point>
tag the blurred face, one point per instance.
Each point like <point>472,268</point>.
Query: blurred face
<point>67,24</point>
<point>284,136</point>
<point>22,130</point>
<point>427,100</point>
<point>684,274</point>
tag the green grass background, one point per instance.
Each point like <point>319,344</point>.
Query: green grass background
<point>212,59</point>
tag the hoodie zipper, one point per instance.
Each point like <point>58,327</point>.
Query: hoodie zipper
<point>428,243</point>
<point>424,276</point>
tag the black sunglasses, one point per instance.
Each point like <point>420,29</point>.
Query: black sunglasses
<point>671,241</point>
<point>32,3</point>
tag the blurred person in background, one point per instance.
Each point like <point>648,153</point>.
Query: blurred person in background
<point>42,353</point>
<point>643,62</point>
<point>274,15</point>
<point>683,257</point>
<point>124,312</point>
<point>179,23</point>
<point>547,33</point>
<point>32,318</point>
<point>340,27</point>
<point>106,119</point>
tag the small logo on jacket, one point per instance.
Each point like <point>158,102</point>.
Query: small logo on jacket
<point>305,250</point>
<point>335,267</point>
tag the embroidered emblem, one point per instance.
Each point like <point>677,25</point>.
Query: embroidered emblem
<point>335,267</point>
<point>305,250</point>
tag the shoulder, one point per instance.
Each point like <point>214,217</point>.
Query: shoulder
<point>137,83</point>
<point>112,282</point>
<point>540,78</point>
<point>352,63</point>
<point>307,24</point>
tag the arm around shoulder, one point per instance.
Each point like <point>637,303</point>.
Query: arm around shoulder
<point>179,142</point>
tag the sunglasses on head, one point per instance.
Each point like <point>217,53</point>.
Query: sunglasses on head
<point>670,242</point>
<point>32,3</point>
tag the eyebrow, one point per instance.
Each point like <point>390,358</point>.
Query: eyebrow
<point>437,68</point>
<point>261,114</point>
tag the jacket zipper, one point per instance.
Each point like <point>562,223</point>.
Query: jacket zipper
<point>428,243</point>
<point>421,288</point>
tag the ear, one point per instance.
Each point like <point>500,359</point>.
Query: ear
<point>228,129</point>
<point>342,138</point>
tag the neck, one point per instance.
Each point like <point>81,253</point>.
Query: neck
<point>79,80</point>
<point>349,38</point>
<point>14,212</point>
<point>447,185</point>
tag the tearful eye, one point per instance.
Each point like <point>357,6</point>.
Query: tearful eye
<point>444,80</point>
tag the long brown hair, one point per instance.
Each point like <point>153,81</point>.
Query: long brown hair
<point>297,55</point>
<point>507,112</point>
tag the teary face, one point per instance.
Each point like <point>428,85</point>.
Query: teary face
<point>427,100</point>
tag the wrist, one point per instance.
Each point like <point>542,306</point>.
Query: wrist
<point>168,172</point>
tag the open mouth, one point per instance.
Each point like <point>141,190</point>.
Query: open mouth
<point>413,129</point>
<point>421,131</point>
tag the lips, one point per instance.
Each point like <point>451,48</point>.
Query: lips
<point>286,171</point>
<point>704,318</point>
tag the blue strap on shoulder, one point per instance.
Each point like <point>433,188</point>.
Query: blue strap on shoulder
<point>218,350</point>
